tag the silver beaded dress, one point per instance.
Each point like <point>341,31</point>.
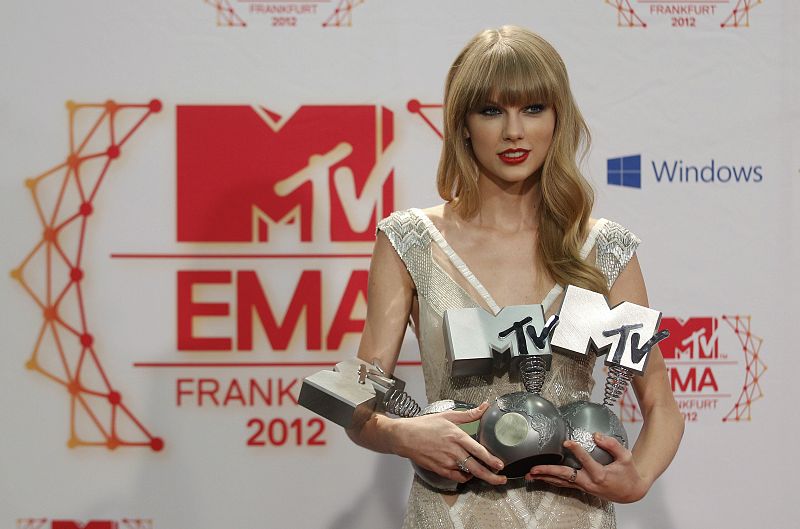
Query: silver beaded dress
<point>443,281</point>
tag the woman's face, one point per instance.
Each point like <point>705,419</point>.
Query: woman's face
<point>511,142</point>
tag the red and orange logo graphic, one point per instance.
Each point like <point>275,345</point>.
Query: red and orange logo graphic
<point>286,13</point>
<point>66,351</point>
<point>226,15</point>
<point>318,176</point>
<point>342,16</point>
<point>683,13</point>
<point>309,187</point>
<point>708,377</point>
<point>314,183</point>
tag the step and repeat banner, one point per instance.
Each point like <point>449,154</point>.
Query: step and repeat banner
<point>190,191</point>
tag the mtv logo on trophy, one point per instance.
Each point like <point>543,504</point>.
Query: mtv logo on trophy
<point>590,325</point>
<point>521,428</point>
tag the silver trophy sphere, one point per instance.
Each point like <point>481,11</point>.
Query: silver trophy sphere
<point>523,430</point>
<point>583,419</point>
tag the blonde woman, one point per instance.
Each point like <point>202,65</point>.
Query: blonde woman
<point>514,229</point>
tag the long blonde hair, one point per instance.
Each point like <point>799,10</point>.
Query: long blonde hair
<point>514,66</point>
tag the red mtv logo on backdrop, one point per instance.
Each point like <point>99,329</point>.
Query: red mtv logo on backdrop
<point>246,174</point>
<point>694,338</point>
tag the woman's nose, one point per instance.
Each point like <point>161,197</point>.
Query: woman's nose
<point>512,128</point>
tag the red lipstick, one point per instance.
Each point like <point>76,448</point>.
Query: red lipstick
<point>514,156</point>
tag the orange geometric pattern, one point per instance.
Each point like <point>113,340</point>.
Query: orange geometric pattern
<point>740,16</point>
<point>415,107</point>
<point>226,15</point>
<point>342,16</point>
<point>751,389</point>
<point>626,16</point>
<point>52,274</point>
<point>754,368</point>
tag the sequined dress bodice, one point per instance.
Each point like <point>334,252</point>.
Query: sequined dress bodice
<point>443,281</point>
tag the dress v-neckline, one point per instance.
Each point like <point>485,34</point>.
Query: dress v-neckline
<point>473,280</point>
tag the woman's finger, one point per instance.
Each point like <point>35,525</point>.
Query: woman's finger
<point>545,470</point>
<point>474,466</point>
<point>445,469</point>
<point>480,452</point>
<point>455,475</point>
<point>612,446</point>
<point>465,416</point>
<point>561,473</point>
<point>587,462</point>
<point>559,482</point>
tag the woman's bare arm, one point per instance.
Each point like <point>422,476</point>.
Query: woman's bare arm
<point>390,294</point>
<point>433,441</point>
<point>633,472</point>
<point>663,425</point>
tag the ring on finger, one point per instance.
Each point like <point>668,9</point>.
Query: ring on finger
<point>574,476</point>
<point>462,465</point>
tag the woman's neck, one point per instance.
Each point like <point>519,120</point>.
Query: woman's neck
<point>508,207</point>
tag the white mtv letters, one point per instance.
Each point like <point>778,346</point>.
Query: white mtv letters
<point>317,172</point>
<point>478,342</point>
<point>625,333</point>
<point>359,208</point>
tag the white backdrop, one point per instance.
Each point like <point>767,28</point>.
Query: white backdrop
<point>192,199</point>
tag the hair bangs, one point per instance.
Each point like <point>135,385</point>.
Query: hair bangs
<point>512,77</point>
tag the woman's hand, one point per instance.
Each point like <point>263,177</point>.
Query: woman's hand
<point>618,481</point>
<point>436,443</point>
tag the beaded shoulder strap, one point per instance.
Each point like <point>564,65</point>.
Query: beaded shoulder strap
<point>410,238</point>
<point>615,248</point>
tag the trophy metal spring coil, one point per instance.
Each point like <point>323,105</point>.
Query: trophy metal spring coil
<point>401,404</point>
<point>532,371</point>
<point>616,383</point>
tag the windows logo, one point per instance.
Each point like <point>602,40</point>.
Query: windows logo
<point>625,171</point>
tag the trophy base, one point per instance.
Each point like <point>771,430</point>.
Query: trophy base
<point>519,469</point>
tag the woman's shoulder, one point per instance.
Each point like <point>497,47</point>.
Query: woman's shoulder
<point>408,228</point>
<point>612,232</point>
<point>397,219</point>
<point>608,237</point>
<point>419,217</point>
<point>614,245</point>
<point>435,212</point>
<point>437,215</point>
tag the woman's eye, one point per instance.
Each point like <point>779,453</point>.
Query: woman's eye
<point>534,109</point>
<point>490,111</point>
